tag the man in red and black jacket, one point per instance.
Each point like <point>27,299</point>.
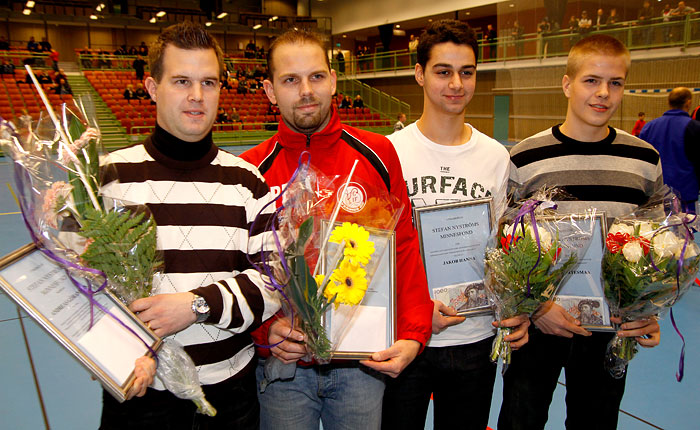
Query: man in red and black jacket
<point>302,84</point>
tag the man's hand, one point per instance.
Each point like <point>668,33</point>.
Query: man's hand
<point>519,336</point>
<point>292,347</point>
<point>165,314</point>
<point>144,371</point>
<point>551,318</point>
<point>646,332</point>
<point>444,316</point>
<point>393,360</point>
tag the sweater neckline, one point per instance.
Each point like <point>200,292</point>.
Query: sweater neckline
<point>177,153</point>
<point>607,140</point>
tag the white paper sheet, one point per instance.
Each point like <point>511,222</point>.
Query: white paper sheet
<point>366,332</point>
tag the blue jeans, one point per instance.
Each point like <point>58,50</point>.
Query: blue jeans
<point>461,380</point>
<point>592,396</point>
<point>341,396</point>
<point>234,399</point>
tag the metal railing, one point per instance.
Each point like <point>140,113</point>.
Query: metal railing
<point>377,101</point>
<point>679,32</point>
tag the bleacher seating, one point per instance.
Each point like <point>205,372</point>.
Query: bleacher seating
<point>21,95</point>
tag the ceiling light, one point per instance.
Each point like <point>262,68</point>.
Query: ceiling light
<point>469,13</point>
<point>222,15</point>
<point>93,16</point>
<point>344,36</point>
<point>257,26</point>
<point>152,20</point>
<point>430,20</point>
<point>398,25</point>
<point>160,14</point>
<point>30,4</point>
<point>274,18</point>
<point>511,5</point>
<point>102,5</point>
<point>208,23</point>
<point>27,11</point>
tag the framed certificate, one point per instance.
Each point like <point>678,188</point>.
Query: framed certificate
<point>358,332</point>
<point>582,293</point>
<point>107,349</point>
<point>452,236</point>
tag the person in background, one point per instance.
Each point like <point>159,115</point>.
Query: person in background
<point>44,45</point>
<point>139,66</point>
<point>129,93</point>
<point>140,92</point>
<point>222,116</point>
<point>677,138</point>
<point>600,19</point>
<point>53,56</point>
<point>644,16</point>
<point>639,124</point>
<point>347,103</point>
<point>584,24</point>
<point>492,40</point>
<point>32,45</point>
<point>401,122</point>
<point>412,47</point>
<point>358,102</point>
<point>4,44</point>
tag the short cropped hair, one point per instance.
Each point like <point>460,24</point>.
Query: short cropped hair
<point>185,35</point>
<point>445,30</point>
<point>597,44</point>
<point>678,97</point>
<point>299,37</point>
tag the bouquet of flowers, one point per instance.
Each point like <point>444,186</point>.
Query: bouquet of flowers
<point>101,243</point>
<point>650,261</point>
<point>536,249</point>
<point>325,256</point>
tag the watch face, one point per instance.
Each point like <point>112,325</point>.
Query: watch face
<point>201,305</point>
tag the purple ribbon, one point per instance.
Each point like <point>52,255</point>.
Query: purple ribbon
<point>27,207</point>
<point>679,267</point>
<point>264,266</point>
<point>528,208</point>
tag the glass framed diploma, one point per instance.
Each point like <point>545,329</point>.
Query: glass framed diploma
<point>452,236</point>
<point>359,331</point>
<point>107,349</point>
<point>582,293</point>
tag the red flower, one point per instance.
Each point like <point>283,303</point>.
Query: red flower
<point>616,241</point>
<point>645,244</point>
<point>505,243</point>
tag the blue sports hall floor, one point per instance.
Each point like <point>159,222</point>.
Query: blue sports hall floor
<point>72,401</point>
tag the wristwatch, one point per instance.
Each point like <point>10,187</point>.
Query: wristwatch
<point>200,308</point>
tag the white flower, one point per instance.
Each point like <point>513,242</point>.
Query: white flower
<point>666,244</point>
<point>508,229</point>
<point>622,228</point>
<point>544,235</point>
<point>646,229</point>
<point>690,251</point>
<point>633,251</point>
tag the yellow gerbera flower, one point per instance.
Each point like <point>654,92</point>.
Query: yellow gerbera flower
<point>349,282</point>
<point>319,279</point>
<point>358,247</point>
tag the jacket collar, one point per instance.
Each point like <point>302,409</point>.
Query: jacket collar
<point>291,139</point>
<point>677,112</point>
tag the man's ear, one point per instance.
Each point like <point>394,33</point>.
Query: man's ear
<point>151,86</point>
<point>565,85</point>
<point>269,91</point>
<point>420,78</point>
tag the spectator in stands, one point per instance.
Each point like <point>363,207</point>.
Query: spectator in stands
<point>491,37</point>
<point>250,49</point>
<point>63,87</point>
<point>679,14</point>
<point>86,57</point>
<point>4,44</point>
<point>60,75</point>
<point>7,68</point>
<point>129,93</point>
<point>141,92</point>
<point>143,49</point>
<point>412,47</point>
<point>401,123</point>
<point>42,78</point>
<point>133,50</point>
<point>666,18</point>
<point>517,35</point>
<point>613,18</point>
<point>234,115</point>
<point>121,51</point>
<point>44,45</point>
<point>221,116</point>
<point>644,16</point>
<point>639,124</point>
<point>584,24</point>
<point>347,103</point>
<point>32,45</point>
<point>139,66</point>
<point>358,102</point>
<point>341,61</point>
<point>600,19</point>
<point>676,135</point>
<point>242,85</point>
<point>53,56</point>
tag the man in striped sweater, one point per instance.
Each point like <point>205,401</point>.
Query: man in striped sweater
<point>601,167</point>
<point>209,297</point>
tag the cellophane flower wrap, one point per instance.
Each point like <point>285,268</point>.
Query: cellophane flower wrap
<point>329,249</point>
<point>101,243</point>
<point>650,261</point>
<point>529,256</point>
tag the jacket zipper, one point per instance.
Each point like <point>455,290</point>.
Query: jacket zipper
<point>308,141</point>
